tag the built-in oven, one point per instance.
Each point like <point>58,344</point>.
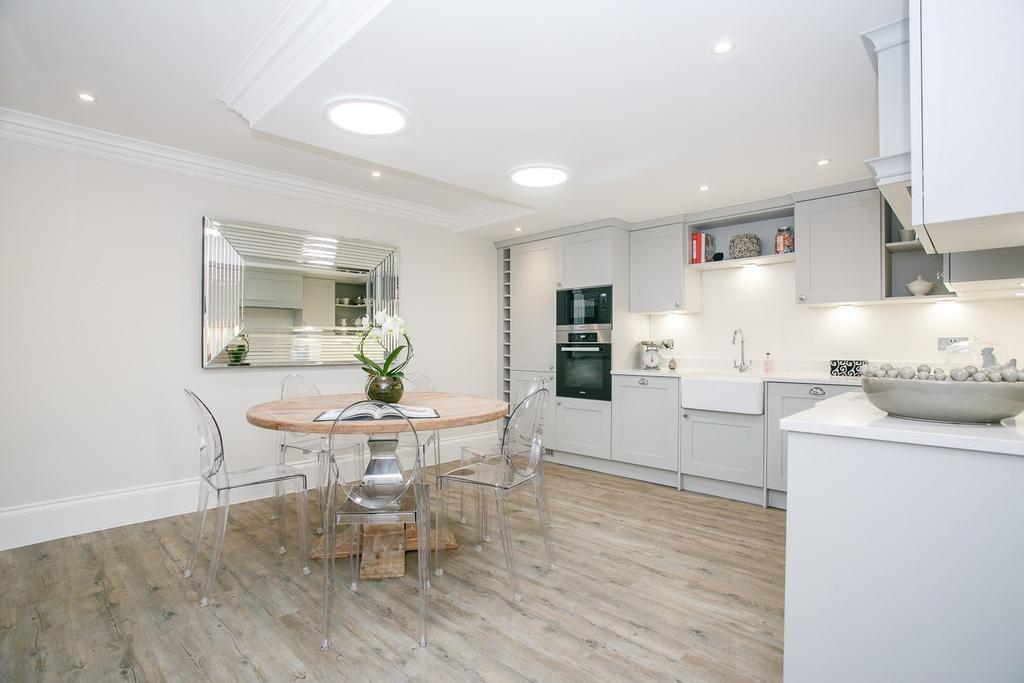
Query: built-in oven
<point>584,365</point>
<point>589,308</point>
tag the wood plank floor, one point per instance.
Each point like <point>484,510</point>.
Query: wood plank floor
<point>653,584</point>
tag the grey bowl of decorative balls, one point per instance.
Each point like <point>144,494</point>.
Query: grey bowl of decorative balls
<point>963,395</point>
<point>746,245</point>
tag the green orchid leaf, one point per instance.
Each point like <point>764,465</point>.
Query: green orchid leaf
<point>369,363</point>
<point>391,357</point>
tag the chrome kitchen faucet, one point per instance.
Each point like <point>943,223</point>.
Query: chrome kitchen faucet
<point>743,365</point>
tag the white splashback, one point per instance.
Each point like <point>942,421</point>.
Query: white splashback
<point>761,301</point>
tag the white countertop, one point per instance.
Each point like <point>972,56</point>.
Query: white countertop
<point>797,377</point>
<point>851,415</point>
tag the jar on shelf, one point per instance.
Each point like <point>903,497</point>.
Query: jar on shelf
<point>784,241</point>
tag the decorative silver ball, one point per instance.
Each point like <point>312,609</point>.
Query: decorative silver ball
<point>924,368</point>
<point>995,375</point>
<point>1010,374</point>
<point>958,374</point>
<point>921,374</point>
<point>892,373</point>
<point>907,372</point>
<point>939,373</point>
<point>980,377</point>
<point>885,367</point>
<point>971,369</point>
<point>867,370</point>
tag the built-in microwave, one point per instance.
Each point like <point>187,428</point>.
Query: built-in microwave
<point>589,308</point>
<point>584,365</point>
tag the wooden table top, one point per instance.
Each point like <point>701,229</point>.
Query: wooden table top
<point>296,415</point>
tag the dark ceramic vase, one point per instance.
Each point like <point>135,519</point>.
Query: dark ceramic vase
<point>386,389</point>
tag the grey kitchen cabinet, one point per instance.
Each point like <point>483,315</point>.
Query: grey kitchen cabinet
<point>785,399</point>
<point>532,306</point>
<point>645,421</point>
<point>839,248</point>
<point>520,378</point>
<point>583,427</point>
<point>584,259</point>
<point>976,272</point>
<point>659,280</point>
<point>318,308</point>
<point>272,288</point>
<point>723,446</point>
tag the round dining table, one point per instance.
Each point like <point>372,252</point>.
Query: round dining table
<point>384,545</point>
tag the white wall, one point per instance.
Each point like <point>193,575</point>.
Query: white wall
<point>761,301</point>
<point>100,297</point>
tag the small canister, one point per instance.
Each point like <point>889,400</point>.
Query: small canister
<point>784,241</point>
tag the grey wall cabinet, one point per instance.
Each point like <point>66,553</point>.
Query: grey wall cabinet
<point>583,427</point>
<point>659,280</point>
<point>785,400</point>
<point>272,289</point>
<point>532,306</point>
<point>645,421</point>
<point>584,259</point>
<point>723,446</point>
<point>839,248</point>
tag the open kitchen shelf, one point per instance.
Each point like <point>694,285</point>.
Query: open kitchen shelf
<point>769,260</point>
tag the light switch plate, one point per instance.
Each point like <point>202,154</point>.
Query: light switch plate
<point>946,342</point>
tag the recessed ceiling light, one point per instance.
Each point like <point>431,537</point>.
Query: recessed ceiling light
<point>703,188</point>
<point>367,117</point>
<point>538,176</point>
<point>86,97</point>
<point>722,46</point>
<point>823,162</point>
<point>375,174</point>
<point>1018,293</point>
<point>518,228</point>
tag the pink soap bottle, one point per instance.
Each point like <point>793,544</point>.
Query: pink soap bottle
<point>769,364</point>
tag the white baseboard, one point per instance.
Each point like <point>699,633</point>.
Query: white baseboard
<point>28,524</point>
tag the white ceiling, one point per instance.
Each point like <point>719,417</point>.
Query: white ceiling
<point>625,94</point>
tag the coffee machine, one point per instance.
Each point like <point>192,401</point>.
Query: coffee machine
<point>651,352</point>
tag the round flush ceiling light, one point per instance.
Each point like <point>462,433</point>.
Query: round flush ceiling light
<point>538,176</point>
<point>368,117</point>
<point>722,46</point>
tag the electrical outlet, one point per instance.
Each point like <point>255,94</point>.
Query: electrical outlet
<point>946,342</point>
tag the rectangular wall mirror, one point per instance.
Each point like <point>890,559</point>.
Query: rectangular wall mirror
<point>279,297</point>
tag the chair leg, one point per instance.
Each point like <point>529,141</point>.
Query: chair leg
<point>329,534</point>
<point>303,505</point>
<point>280,514</point>
<point>480,512</point>
<point>353,557</point>
<point>506,541</point>
<point>545,519</point>
<point>441,525</point>
<point>423,559</point>
<point>197,534</point>
<point>218,545</point>
<point>279,486</point>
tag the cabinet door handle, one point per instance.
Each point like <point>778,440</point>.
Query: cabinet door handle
<point>816,391</point>
<point>686,416</point>
<point>802,297</point>
<point>677,304</point>
<point>558,284</point>
<point>643,381</point>
<point>551,367</point>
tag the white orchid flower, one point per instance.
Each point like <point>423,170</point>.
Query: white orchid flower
<point>364,323</point>
<point>376,332</point>
<point>380,318</point>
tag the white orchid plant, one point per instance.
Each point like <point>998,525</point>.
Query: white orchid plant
<point>383,329</point>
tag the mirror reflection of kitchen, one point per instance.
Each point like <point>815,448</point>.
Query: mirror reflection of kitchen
<point>284,299</point>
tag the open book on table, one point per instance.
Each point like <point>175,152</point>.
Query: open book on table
<point>372,412</point>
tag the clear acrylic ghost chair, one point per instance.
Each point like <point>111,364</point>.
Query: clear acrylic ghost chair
<point>386,488</point>
<point>520,463</point>
<point>471,454</point>
<point>214,477</point>
<point>420,383</point>
<point>308,445</point>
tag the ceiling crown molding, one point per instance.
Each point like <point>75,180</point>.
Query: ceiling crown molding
<point>306,34</point>
<point>36,130</point>
<point>487,215</point>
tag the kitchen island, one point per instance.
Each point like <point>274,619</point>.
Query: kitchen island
<point>904,547</point>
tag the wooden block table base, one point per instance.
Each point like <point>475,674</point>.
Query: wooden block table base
<point>384,547</point>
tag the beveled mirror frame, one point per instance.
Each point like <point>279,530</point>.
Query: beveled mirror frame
<point>293,257</point>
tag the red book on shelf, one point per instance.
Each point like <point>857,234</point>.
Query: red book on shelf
<point>695,253</point>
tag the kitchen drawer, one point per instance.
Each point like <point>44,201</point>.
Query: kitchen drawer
<point>723,446</point>
<point>785,399</point>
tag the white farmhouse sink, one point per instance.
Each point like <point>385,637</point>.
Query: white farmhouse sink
<point>724,392</point>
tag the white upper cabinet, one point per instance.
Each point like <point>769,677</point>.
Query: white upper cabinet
<point>272,288</point>
<point>532,315</point>
<point>318,302</point>
<point>584,259</point>
<point>967,140</point>
<point>658,278</point>
<point>839,248</point>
